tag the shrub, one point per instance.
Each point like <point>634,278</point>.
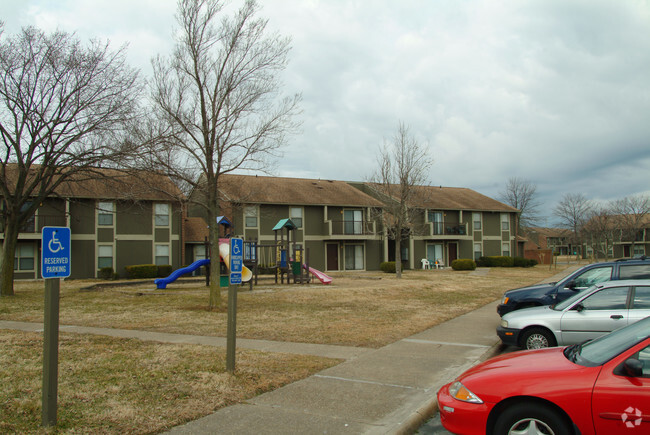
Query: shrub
<point>388,267</point>
<point>495,261</point>
<point>106,273</point>
<point>524,262</point>
<point>463,264</point>
<point>141,271</point>
<point>164,270</point>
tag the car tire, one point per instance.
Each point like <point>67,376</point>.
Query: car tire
<point>531,418</point>
<point>537,338</point>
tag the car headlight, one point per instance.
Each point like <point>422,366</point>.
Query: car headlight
<point>460,392</point>
<point>505,300</point>
<point>504,323</point>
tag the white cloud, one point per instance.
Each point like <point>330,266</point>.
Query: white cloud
<point>554,91</point>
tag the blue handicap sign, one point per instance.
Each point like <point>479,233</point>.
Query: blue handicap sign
<point>236,260</point>
<point>55,255</point>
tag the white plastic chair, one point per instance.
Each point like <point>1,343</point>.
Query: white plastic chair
<point>426,264</point>
<point>439,263</point>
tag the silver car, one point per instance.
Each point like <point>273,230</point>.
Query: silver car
<point>591,313</point>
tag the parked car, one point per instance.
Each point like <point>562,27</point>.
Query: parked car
<point>600,387</point>
<point>589,314</point>
<point>554,292</point>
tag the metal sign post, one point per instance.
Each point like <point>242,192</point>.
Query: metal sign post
<point>236,266</point>
<point>55,265</point>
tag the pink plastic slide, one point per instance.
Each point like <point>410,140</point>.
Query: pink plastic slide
<point>325,279</point>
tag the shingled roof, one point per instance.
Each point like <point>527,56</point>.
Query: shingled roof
<point>452,198</point>
<point>105,183</point>
<point>252,189</point>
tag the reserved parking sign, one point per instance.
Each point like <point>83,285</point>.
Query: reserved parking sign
<point>55,254</point>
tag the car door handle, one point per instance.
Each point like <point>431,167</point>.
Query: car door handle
<point>616,316</point>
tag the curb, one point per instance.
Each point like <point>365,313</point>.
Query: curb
<point>430,408</point>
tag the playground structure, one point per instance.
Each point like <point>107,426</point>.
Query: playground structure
<point>283,258</point>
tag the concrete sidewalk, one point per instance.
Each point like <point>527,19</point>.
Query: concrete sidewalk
<point>375,391</point>
<point>390,390</point>
<point>384,391</point>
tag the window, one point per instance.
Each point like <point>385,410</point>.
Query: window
<point>353,221</point>
<point>614,298</point>
<point>104,256</point>
<point>199,252</point>
<point>434,253</point>
<point>505,249</point>
<point>105,213</point>
<point>24,259</point>
<point>476,218</point>
<point>30,224</point>
<point>295,214</point>
<point>162,215</point>
<point>162,255</point>
<point>435,217</point>
<point>639,250</point>
<point>641,298</point>
<point>634,271</point>
<point>593,276</point>
<point>478,251</point>
<point>250,216</point>
<point>354,257</point>
<point>505,222</point>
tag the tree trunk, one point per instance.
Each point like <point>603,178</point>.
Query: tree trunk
<point>215,262</point>
<point>7,260</point>
<point>398,252</point>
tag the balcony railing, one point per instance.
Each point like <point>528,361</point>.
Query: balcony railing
<point>443,229</point>
<point>36,223</point>
<point>350,228</point>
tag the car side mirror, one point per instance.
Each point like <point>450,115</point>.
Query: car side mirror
<point>579,307</point>
<point>571,285</point>
<point>633,367</point>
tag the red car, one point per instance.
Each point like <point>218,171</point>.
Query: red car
<point>598,387</point>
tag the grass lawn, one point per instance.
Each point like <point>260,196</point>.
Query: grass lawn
<point>110,385</point>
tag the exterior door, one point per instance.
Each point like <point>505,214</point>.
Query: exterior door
<point>602,312</point>
<point>453,252</point>
<point>332,256</point>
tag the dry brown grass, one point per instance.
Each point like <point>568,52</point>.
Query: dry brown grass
<point>110,385</point>
<point>366,309</point>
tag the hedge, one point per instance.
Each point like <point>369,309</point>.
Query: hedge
<point>463,264</point>
<point>388,267</point>
<point>142,271</point>
<point>495,261</point>
<point>501,261</point>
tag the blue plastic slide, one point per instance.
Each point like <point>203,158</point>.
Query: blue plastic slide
<point>162,282</point>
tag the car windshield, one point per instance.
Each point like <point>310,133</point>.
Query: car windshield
<point>602,349</point>
<point>568,302</point>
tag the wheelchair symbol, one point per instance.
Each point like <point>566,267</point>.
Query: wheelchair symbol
<point>235,249</point>
<point>54,242</point>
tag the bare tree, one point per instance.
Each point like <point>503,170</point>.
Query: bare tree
<point>522,195</point>
<point>573,211</point>
<point>63,106</point>
<point>600,229</point>
<point>632,212</point>
<point>403,165</point>
<point>217,106</point>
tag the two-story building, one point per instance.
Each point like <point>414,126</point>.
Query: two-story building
<point>447,223</point>
<point>115,220</point>
<point>335,222</point>
<point>342,223</point>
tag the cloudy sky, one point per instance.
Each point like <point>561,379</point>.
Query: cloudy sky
<point>553,91</point>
